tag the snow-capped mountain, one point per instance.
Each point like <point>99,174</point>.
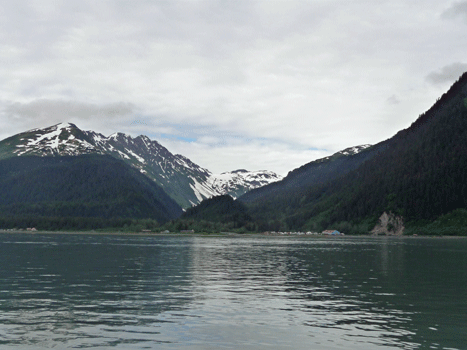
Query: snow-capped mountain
<point>183,180</point>
<point>241,181</point>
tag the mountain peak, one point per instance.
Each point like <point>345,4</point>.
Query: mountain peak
<point>65,125</point>
<point>117,135</point>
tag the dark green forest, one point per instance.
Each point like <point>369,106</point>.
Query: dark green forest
<point>89,191</point>
<point>216,214</point>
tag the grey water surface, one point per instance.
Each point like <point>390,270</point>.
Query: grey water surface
<point>65,291</point>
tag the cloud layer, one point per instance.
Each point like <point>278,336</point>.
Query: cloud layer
<point>230,84</point>
<point>447,74</point>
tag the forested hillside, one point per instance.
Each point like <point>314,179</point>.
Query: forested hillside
<point>93,188</point>
<point>282,197</point>
<point>419,174</point>
<point>220,213</point>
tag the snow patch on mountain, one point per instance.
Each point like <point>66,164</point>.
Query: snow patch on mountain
<point>140,159</point>
<point>238,182</point>
<point>347,152</point>
<point>202,190</point>
<point>353,150</point>
<point>51,137</point>
<point>123,155</point>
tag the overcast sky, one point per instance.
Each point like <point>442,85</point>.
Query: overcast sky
<point>230,84</point>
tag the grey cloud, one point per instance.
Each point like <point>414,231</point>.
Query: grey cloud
<point>41,113</point>
<point>457,9</point>
<point>448,73</point>
<point>34,27</point>
<point>393,100</point>
<point>258,68</point>
<point>219,29</point>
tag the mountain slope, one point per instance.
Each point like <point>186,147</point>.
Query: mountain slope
<point>419,174</point>
<point>80,186</point>
<point>314,173</point>
<point>185,181</point>
<point>422,174</point>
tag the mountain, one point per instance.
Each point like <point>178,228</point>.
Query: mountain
<point>314,173</point>
<point>184,181</point>
<point>238,182</point>
<point>418,178</point>
<point>84,187</point>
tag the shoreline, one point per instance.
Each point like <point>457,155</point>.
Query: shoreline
<point>220,234</point>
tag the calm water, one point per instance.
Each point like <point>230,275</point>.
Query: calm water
<point>140,292</point>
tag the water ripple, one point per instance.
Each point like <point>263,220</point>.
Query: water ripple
<point>126,292</point>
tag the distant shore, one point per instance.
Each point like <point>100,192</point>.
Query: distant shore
<point>206,234</point>
<point>116,233</point>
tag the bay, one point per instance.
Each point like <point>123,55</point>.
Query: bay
<point>68,291</point>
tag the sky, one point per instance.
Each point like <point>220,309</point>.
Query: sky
<point>257,85</point>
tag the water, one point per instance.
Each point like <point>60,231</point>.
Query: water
<point>144,292</point>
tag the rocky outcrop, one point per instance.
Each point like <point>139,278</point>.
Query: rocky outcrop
<point>389,224</point>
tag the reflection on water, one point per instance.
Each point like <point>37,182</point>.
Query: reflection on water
<point>137,292</point>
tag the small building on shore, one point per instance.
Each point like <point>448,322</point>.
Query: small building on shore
<point>332,233</point>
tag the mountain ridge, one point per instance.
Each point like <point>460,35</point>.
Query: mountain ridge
<point>182,179</point>
<point>316,172</point>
